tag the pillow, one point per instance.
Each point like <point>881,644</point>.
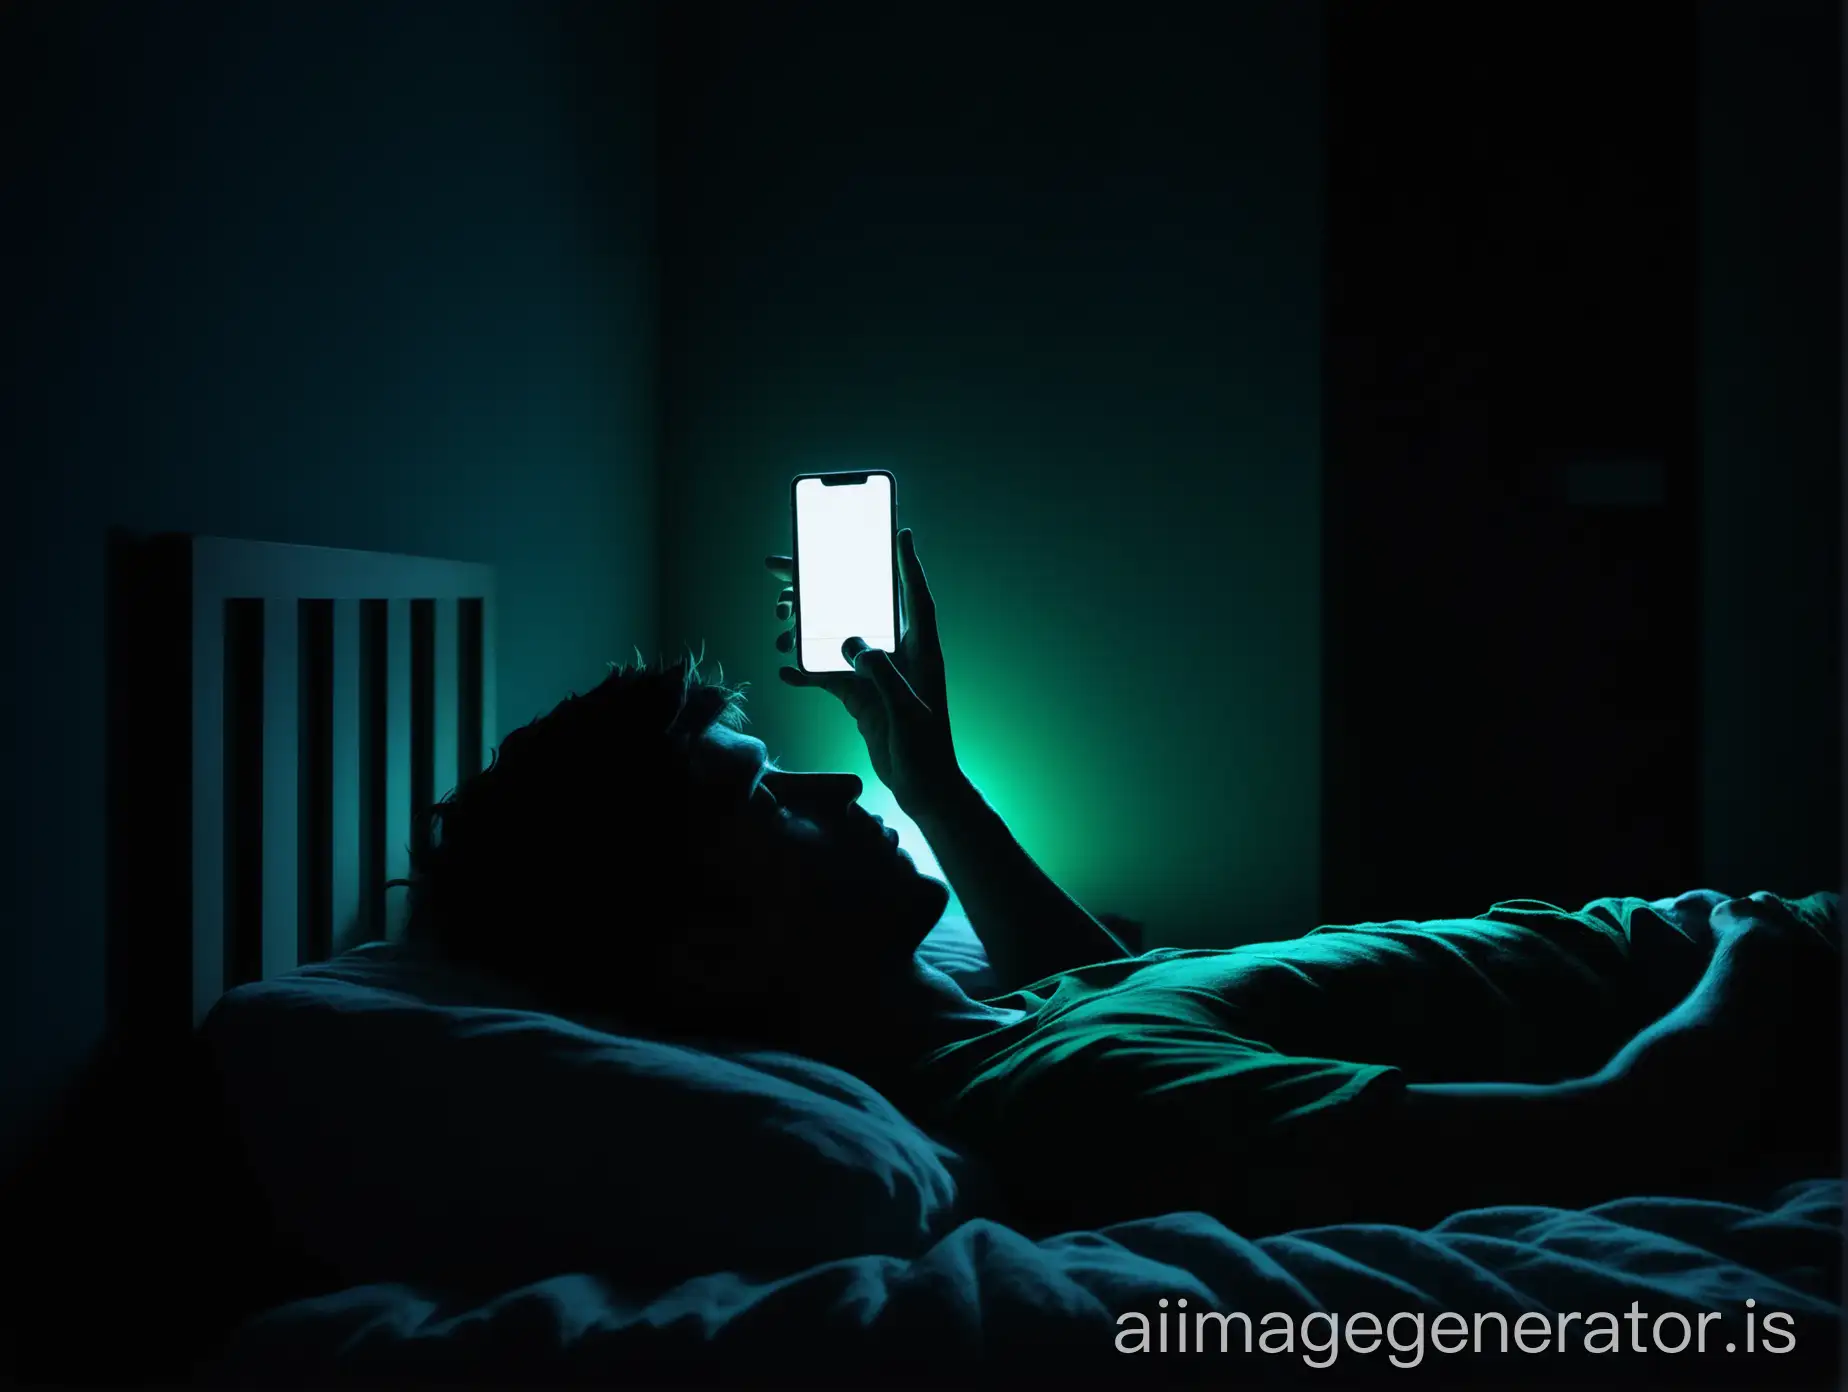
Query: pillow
<point>953,949</point>
<point>406,1122</point>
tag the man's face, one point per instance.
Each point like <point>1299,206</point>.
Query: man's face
<point>828,889</point>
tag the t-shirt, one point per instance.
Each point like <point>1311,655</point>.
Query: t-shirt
<point>1114,1089</point>
<point>1238,1080</point>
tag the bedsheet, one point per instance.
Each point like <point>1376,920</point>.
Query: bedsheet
<point>1660,1291</point>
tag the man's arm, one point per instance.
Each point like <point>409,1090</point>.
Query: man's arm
<point>1030,927</point>
<point>900,702</point>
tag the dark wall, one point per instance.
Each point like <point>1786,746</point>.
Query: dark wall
<point>343,274</point>
<point>1771,382</point>
<point>1059,269</point>
<point>1512,459</point>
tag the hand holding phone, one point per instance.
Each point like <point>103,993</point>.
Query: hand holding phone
<point>896,697</point>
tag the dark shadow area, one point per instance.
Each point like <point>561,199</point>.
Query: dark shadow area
<point>148,847</point>
<point>1511,494</point>
<point>137,1239</point>
<point>137,1183</point>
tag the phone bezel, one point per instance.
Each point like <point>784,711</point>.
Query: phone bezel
<point>836,479</point>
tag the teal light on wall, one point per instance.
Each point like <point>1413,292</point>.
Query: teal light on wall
<point>1149,738</point>
<point>1098,388</point>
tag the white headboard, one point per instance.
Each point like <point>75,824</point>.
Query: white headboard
<point>279,715</point>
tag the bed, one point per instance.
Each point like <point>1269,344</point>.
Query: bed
<point>459,1188</point>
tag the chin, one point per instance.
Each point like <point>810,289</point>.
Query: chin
<point>933,898</point>
<point>939,893</point>
<point>883,917</point>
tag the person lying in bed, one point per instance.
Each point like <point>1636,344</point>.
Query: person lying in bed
<point>662,870</point>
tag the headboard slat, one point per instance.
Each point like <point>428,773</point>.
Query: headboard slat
<point>470,690</point>
<point>399,794</point>
<point>446,705</point>
<point>206,900</point>
<point>374,731</point>
<point>314,822</point>
<point>277,931</point>
<point>346,784</point>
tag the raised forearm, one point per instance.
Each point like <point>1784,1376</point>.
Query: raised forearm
<point>1030,927</point>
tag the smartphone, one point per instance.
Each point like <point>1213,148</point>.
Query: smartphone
<point>845,564</point>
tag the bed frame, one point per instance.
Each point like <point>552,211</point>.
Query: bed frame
<point>279,717</point>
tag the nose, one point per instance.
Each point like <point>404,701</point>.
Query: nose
<point>831,792</point>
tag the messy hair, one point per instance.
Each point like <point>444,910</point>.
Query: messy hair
<point>544,866</point>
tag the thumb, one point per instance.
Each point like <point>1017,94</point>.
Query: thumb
<point>876,666</point>
<point>845,687</point>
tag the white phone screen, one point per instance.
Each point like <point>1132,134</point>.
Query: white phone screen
<point>844,569</point>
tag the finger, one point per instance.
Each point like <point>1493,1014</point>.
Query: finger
<point>835,682</point>
<point>786,640</point>
<point>783,567</point>
<point>877,667</point>
<point>786,604</point>
<point>920,609</point>
<point>850,690</point>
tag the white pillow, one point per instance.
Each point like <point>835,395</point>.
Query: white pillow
<point>953,949</point>
<point>411,1123</point>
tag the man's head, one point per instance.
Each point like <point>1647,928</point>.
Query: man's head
<point>634,852</point>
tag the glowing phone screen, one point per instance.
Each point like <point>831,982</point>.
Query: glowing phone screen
<point>844,569</point>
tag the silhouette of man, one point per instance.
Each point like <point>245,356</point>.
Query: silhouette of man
<point>1379,1071</point>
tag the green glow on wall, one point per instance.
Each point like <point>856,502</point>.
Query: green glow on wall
<point>1098,389</point>
<point>1160,789</point>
